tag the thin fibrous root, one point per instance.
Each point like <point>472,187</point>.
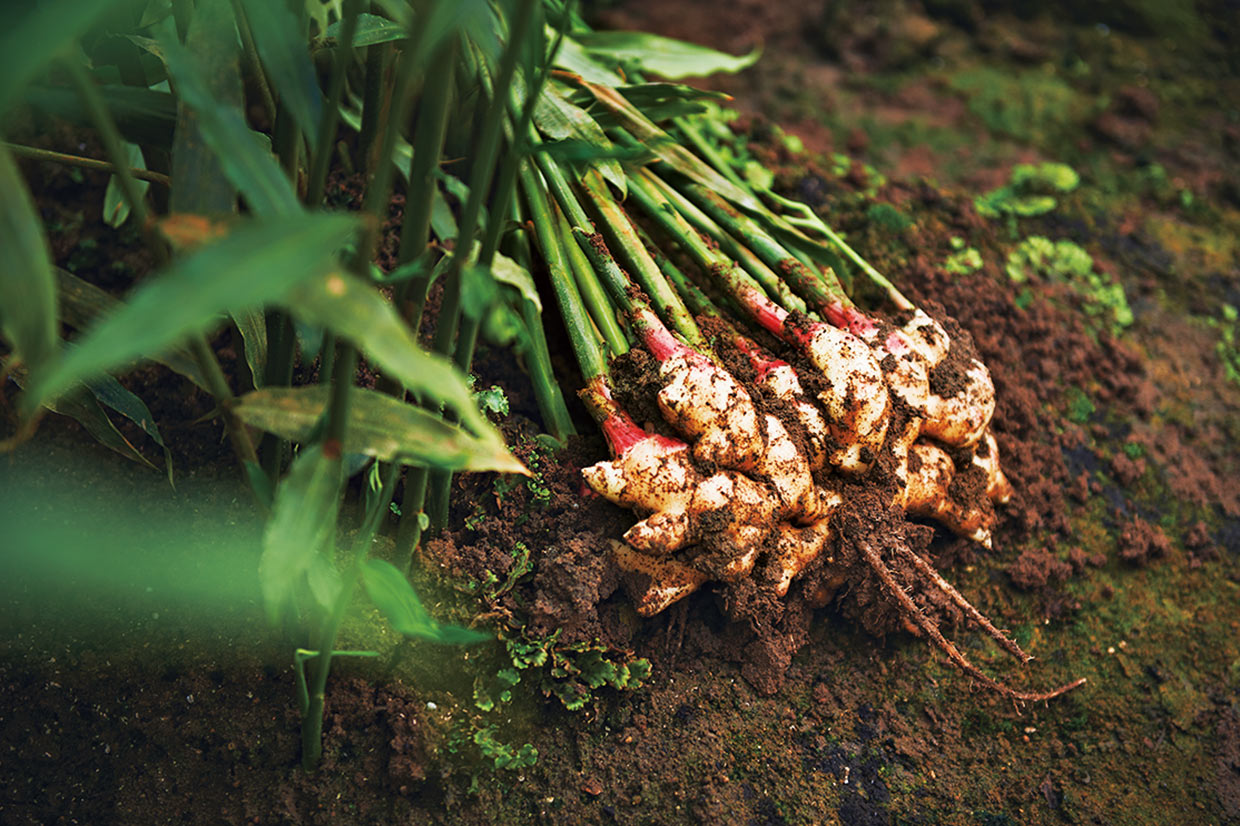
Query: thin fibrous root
<point>931,630</point>
<point>1003,640</point>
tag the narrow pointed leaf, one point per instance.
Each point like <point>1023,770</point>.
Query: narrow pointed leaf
<point>243,157</point>
<point>253,327</point>
<point>27,288</point>
<point>82,303</point>
<point>574,57</point>
<point>353,310</point>
<point>108,391</point>
<point>301,529</point>
<point>44,32</point>
<point>662,56</point>
<point>667,149</point>
<point>201,184</point>
<point>82,407</point>
<point>395,598</point>
<point>379,426</point>
<point>282,47</point>
<point>560,119</point>
<point>371,31</point>
<point>255,265</point>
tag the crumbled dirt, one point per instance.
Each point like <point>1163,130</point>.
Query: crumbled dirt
<point>1036,567</point>
<point>1140,542</point>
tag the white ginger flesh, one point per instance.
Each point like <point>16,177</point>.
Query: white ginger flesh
<point>960,420</point>
<point>908,354</point>
<point>785,468</point>
<point>927,495</point>
<point>781,381</point>
<point>927,337</point>
<point>855,398</point>
<point>729,508</point>
<point>986,456</point>
<point>704,402</point>
<point>667,579</point>
<point>796,547</point>
<point>655,474</point>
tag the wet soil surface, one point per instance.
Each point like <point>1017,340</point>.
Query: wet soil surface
<point>1118,558</point>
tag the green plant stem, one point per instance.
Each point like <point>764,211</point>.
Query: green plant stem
<point>624,237</point>
<point>337,415</point>
<point>286,140</point>
<point>525,25</point>
<point>536,353</point>
<point>255,65</point>
<point>37,154</point>
<point>582,335</point>
<point>312,718</point>
<point>485,155</point>
<point>415,234</point>
<point>697,300</point>
<point>720,268</point>
<point>599,307</point>
<point>209,366</point>
<point>742,254</point>
<point>821,292</point>
<point>372,101</point>
<point>707,150</point>
<point>811,221</point>
<point>316,182</point>
<point>279,373</point>
<point>409,533</point>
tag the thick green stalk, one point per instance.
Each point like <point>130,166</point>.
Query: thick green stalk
<point>600,309</point>
<point>333,439</point>
<point>697,300</point>
<point>706,149</point>
<point>752,263</point>
<point>624,238</point>
<point>821,292</point>
<point>811,221</point>
<point>279,373</point>
<point>582,335</point>
<point>433,112</point>
<point>316,182</point>
<point>434,109</point>
<point>372,101</point>
<point>536,353</point>
<point>720,268</point>
<point>485,155</point>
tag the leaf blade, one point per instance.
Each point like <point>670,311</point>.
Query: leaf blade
<point>395,598</point>
<point>379,426</point>
<point>282,49</point>
<point>82,304</point>
<point>302,524</point>
<point>351,309</point>
<point>248,165</point>
<point>254,265</point>
<point>27,287</point>
<point>663,56</point>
